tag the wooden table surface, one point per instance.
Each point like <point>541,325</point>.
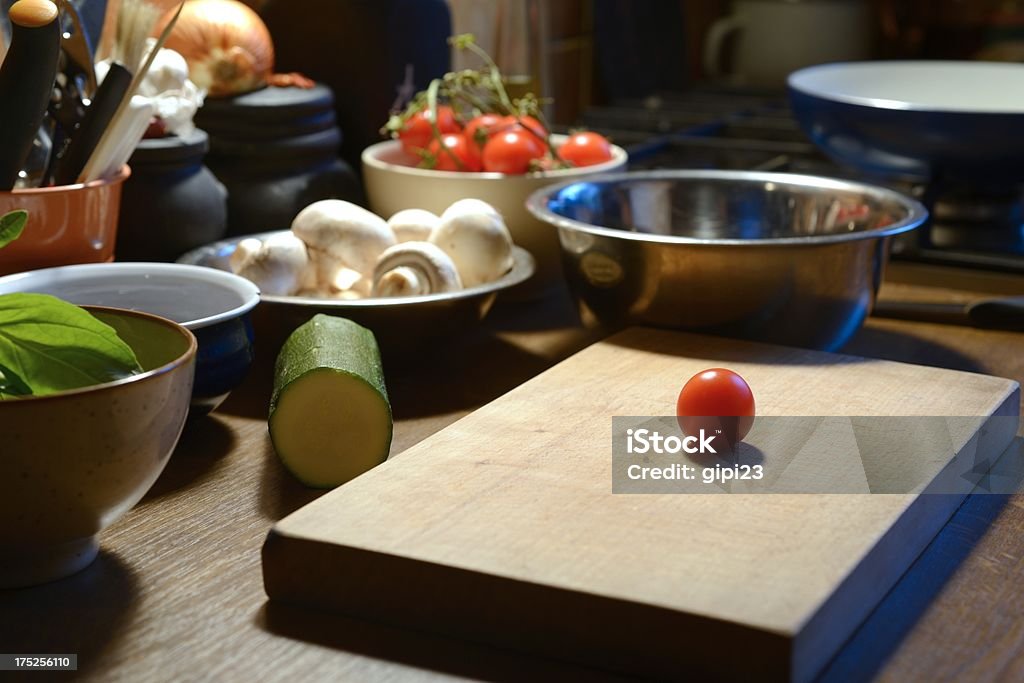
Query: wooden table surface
<point>176,593</point>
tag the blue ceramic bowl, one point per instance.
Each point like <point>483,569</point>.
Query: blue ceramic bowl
<point>214,305</point>
<point>937,120</point>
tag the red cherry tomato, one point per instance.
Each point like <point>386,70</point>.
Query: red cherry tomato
<point>456,147</point>
<point>716,399</point>
<point>511,152</point>
<point>535,127</point>
<point>481,128</point>
<point>586,149</point>
<point>417,132</point>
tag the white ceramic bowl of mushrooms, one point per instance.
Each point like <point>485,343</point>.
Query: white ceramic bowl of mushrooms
<point>412,278</point>
<point>392,184</point>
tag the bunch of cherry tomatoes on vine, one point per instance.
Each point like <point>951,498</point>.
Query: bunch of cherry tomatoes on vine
<point>465,121</point>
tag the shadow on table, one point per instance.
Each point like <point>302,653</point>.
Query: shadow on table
<point>203,444</point>
<point>82,614</point>
<point>422,651</point>
<point>432,383</point>
<point>439,384</point>
<point>555,309</point>
<point>280,493</point>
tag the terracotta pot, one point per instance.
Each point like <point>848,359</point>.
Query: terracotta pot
<point>67,224</point>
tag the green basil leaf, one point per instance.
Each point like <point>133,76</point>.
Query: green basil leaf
<point>11,385</point>
<point>11,225</point>
<point>51,345</point>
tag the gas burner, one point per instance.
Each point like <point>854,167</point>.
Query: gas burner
<point>739,130</point>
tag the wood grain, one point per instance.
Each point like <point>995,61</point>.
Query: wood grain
<point>177,591</point>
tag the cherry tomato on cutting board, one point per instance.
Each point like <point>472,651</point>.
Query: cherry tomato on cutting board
<point>417,132</point>
<point>458,154</point>
<point>716,399</point>
<point>586,149</point>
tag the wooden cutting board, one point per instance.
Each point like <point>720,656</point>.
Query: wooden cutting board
<point>503,527</point>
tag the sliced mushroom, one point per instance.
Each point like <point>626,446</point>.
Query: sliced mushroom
<point>474,234</point>
<point>280,267</point>
<point>413,268</point>
<point>413,225</point>
<point>340,233</point>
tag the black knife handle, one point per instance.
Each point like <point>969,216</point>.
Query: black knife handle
<point>97,116</point>
<point>26,82</point>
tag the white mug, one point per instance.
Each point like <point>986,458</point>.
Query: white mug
<point>773,38</point>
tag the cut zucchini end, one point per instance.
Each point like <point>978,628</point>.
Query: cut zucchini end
<point>329,426</point>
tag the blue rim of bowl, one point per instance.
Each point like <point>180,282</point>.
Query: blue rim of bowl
<point>795,82</point>
<point>537,204</point>
<point>523,267</point>
<point>249,292</point>
<point>369,158</point>
<point>182,359</point>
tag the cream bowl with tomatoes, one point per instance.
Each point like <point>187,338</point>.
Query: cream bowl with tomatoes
<point>394,181</point>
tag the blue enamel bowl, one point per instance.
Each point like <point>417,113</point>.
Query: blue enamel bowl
<point>214,305</point>
<point>944,121</point>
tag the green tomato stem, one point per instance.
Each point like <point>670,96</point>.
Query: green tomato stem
<point>432,90</point>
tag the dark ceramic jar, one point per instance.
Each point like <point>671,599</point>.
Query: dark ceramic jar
<point>276,150</point>
<point>171,203</point>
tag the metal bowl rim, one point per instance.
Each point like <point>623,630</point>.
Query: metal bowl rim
<point>523,267</point>
<point>916,213</point>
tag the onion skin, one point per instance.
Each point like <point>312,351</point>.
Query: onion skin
<point>227,46</point>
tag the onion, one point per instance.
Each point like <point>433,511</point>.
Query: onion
<point>226,44</point>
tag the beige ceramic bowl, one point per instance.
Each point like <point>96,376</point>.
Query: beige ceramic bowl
<point>394,183</point>
<point>74,462</point>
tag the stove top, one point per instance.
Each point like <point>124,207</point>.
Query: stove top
<point>755,131</point>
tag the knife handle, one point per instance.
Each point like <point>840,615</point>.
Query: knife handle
<point>97,117</point>
<point>26,82</point>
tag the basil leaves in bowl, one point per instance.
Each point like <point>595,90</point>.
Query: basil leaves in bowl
<point>92,402</point>
<point>76,460</point>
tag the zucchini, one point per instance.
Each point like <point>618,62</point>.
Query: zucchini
<point>330,418</point>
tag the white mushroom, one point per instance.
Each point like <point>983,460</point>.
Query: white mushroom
<point>413,225</point>
<point>414,268</point>
<point>244,252</point>
<point>401,281</point>
<point>280,267</point>
<point>473,233</point>
<point>344,283</point>
<point>339,233</point>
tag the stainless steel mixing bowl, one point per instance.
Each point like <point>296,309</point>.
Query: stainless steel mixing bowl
<point>775,257</point>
